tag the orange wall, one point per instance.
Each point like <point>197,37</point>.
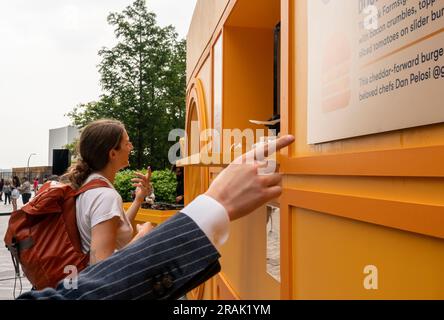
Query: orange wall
<point>244,258</point>
<point>204,74</point>
<point>248,76</point>
<point>346,204</point>
<point>356,181</point>
<point>330,254</point>
<point>205,19</point>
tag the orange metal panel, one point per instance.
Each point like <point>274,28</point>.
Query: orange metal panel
<point>401,217</point>
<point>205,22</point>
<point>331,254</point>
<point>421,218</point>
<point>208,20</point>
<point>412,162</point>
<point>223,290</point>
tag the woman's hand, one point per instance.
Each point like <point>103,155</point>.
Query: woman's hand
<point>142,184</point>
<point>142,229</point>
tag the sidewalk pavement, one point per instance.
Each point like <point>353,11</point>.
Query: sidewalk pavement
<point>7,208</point>
<point>7,274</point>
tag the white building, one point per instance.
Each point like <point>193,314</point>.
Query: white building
<point>60,137</point>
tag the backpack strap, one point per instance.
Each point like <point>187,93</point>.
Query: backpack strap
<point>70,215</point>
<point>13,249</point>
<point>16,262</point>
<point>93,184</point>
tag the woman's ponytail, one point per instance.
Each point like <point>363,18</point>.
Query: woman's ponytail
<point>77,174</point>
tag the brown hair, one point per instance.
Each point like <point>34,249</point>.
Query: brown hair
<point>96,141</point>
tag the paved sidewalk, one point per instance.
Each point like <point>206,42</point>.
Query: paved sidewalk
<point>7,208</point>
<point>7,274</point>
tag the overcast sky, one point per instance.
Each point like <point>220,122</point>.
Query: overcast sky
<point>48,59</point>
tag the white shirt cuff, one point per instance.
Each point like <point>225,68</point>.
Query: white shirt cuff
<point>211,217</point>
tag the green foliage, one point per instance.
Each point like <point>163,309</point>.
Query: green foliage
<point>73,149</point>
<point>164,183</point>
<point>143,81</point>
<point>123,184</point>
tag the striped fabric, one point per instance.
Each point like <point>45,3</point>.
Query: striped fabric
<point>165,264</point>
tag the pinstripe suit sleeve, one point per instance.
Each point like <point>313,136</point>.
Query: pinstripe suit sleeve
<point>165,264</point>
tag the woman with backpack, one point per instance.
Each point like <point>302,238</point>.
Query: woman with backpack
<point>104,149</point>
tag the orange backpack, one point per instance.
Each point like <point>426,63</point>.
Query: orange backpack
<point>43,237</point>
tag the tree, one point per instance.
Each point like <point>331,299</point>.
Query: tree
<point>73,150</point>
<point>143,83</point>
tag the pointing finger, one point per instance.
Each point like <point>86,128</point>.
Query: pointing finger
<point>148,174</point>
<point>263,151</point>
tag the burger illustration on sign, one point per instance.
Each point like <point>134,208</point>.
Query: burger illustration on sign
<point>336,79</point>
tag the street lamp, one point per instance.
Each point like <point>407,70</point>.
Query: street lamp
<point>27,166</point>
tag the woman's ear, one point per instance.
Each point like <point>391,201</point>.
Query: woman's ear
<point>112,154</point>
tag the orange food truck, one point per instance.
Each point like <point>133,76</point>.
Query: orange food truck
<point>360,85</point>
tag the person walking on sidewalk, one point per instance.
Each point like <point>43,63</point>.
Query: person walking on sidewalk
<point>7,188</point>
<point>25,190</point>
<point>15,192</point>
<point>15,182</point>
<point>2,183</point>
<point>36,185</point>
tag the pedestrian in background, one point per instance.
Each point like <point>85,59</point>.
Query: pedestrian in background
<point>16,182</point>
<point>36,185</point>
<point>25,190</point>
<point>15,192</point>
<point>2,183</point>
<point>7,188</point>
<point>178,171</point>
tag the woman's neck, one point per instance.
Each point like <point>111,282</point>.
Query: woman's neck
<point>109,173</point>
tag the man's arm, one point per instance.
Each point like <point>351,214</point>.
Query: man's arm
<point>165,264</point>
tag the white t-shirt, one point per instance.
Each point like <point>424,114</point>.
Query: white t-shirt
<point>98,205</point>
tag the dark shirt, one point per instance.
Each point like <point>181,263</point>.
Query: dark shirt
<point>179,188</point>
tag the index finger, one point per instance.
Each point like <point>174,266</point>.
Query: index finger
<point>263,151</point>
<point>148,174</point>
